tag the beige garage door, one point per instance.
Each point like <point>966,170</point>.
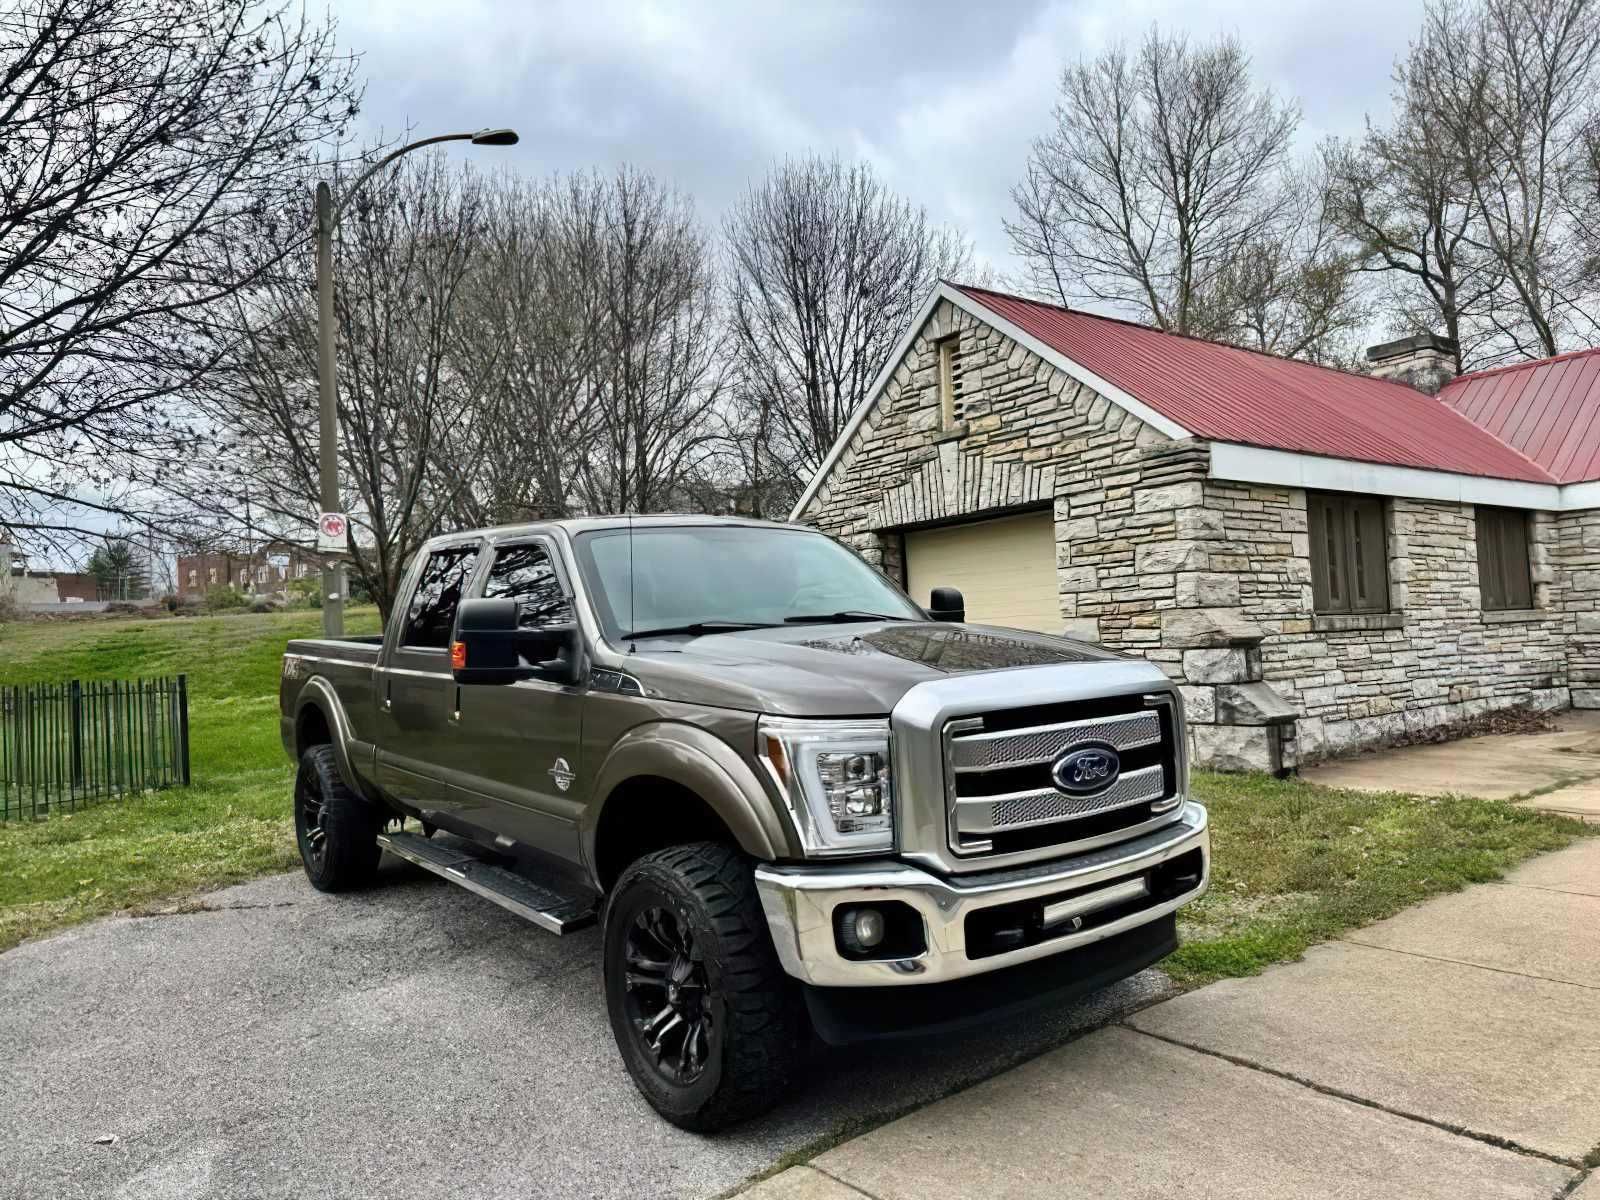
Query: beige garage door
<point>1005,568</point>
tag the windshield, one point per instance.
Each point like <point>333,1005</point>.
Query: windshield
<point>736,575</point>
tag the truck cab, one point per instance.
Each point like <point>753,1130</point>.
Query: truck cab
<point>798,803</point>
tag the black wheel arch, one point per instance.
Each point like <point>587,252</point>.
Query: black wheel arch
<point>646,813</point>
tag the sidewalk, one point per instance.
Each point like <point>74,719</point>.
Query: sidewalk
<point>1451,1051</point>
<point>1560,769</point>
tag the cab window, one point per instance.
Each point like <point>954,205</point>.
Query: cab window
<point>432,612</point>
<point>525,574</point>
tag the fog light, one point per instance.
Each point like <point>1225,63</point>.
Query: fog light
<point>863,928</point>
<point>890,929</point>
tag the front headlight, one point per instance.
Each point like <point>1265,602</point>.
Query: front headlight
<point>835,777</point>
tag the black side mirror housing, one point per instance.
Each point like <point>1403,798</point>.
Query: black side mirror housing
<point>947,604</point>
<point>490,648</point>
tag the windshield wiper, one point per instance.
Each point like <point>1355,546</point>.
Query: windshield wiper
<point>697,628</point>
<point>850,614</point>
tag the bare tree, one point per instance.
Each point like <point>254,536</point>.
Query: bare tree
<point>139,139</point>
<point>1401,195</point>
<point>827,267</point>
<point>1165,171</point>
<point>1289,289</point>
<point>659,376</point>
<point>532,316</point>
<point>1509,84</point>
<point>405,255</point>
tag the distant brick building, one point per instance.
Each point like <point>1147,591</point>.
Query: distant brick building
<point>266,571</point>
<point>76,585</point>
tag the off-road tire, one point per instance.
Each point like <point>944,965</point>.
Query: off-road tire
<point>759,1015</point>
<point>340,849</point>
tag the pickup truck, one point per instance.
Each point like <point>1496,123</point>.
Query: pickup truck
<point>798,804</point>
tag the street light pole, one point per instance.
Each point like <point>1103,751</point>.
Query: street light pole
<point>327,218</point>
<point>328,407</point>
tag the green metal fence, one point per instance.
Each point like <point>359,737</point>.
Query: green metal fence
<point>66,745</point>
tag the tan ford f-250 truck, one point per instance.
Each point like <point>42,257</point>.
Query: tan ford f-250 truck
<point>796,801</point>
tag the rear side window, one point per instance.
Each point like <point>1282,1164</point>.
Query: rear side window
<point>432,614</point>
<point>526,574</point>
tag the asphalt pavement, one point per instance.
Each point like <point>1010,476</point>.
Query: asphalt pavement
<point>413,1040</point>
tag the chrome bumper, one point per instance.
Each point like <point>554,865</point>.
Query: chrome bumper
<point>799,903</point>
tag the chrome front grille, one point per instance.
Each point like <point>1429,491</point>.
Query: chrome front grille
<point>1024,747</point>
<point>999,785</point>
<point>1044,805</point>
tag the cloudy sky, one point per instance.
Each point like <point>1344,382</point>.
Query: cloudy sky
<point>942,97</point>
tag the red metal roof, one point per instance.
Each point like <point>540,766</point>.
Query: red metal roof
<point>1227,394</point>
<point>1549,410</point>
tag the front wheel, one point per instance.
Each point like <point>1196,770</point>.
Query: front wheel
<point>710,1027</point>
<point>336,828</point>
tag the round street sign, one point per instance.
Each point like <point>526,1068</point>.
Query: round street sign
<point>333,531</point>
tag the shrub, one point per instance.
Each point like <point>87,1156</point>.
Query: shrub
<point>10,610</point>
<point>306,593</point>
<point>224,597</point>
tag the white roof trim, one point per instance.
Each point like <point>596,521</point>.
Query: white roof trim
<point>1286,468</point>
<point>988,316</point>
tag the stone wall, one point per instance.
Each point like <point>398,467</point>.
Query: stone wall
<point>1435,659</point>
<point>1575,554</point>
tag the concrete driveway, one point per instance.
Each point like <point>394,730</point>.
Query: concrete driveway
<point>409,1041</point>
<point>1557,772</point>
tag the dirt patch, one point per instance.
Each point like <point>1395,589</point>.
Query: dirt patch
<point>1505,720</point>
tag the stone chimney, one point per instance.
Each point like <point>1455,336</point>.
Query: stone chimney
<point>1424,361</point>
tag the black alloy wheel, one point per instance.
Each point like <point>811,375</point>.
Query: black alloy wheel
<point>708,1024</point>
<point>668,1004</point>
<point>310,812</point>
<point>335,827</point>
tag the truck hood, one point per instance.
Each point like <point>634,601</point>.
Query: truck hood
<point>855,669</point>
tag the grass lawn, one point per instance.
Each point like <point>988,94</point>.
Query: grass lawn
<point>233,824</point>
<point>1293,864</point>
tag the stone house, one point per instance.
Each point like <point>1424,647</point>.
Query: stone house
<point>1322,559</point>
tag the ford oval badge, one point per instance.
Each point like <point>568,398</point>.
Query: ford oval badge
<point>1085,769</point>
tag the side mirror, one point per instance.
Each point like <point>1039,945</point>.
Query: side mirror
<point>490,648</point>
<point>947,604</point>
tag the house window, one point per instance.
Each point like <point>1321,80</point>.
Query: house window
<point>212,572</point>
<point>952,406</point>
<point>1504,581</point>
<point>1349,563</point>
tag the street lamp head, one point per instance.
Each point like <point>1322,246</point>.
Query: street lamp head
<point>495,137</point>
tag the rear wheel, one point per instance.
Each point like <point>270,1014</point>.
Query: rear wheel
<point>710,1027</point>
<point>336,828</point>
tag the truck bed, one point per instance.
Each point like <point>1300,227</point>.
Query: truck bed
<point>358,648</point>
<point>344,664</point>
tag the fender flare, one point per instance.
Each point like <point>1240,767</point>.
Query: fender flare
<point>319,694</point>
<point>705,765</point>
